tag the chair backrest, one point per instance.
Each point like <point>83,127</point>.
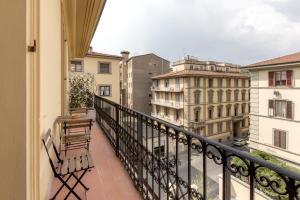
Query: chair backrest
<point>78,110</point>
<point>48,143</point>
<point>78,123</point>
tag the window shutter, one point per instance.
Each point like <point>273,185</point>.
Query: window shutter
<point>283,139</point>
<point>271,78</point>
<point>289,76</point>
<point>276,138</point>
<point>271,103</point>
<point>289,110</point>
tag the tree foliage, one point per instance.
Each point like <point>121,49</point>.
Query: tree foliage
<point>262,172</point>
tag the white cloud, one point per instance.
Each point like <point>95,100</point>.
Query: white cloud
<point>238,31</point>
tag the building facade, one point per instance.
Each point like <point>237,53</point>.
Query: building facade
<point>208,98</point>
<point>275,97</point>
<point>136,74</point>
<point>106,72</point>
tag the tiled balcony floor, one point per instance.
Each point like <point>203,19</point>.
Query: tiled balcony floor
<point>108,180</point>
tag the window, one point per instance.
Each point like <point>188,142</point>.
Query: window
<point>220,85</point>
<point>236,110</point>
<point>220,96</point>
<point>210,129</point>
<point>196,115</point>
<point>76,66</point>
<point>166,111</point>
<point>210,82</point>
<point>243,95</point>
<point>159,151</point>
<point>243,108</point>
<point>243,83</point>
<point>279,138</point>
<point>177,82</point>
<point>210,96</point>
<point>197,97</point>
<point>228,83</point>
<point>228,95</point>
<point>177,114</point>
<point>236,83</point>
<point>236,95</point>
<point>228,124</point>
<point>104,68</point>
<point>166,83</point>
<point>228,110</point>
<point>220,111</point>
<point>166,97</point>
<point>104,90</point>
<point>220,127</point>
<point>210,112</point>
<point>280,78</point>
<point>157,109</point>
<point>281,108</point>
<point>197,82</point>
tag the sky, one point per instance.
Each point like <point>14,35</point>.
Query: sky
<point>234,31</point>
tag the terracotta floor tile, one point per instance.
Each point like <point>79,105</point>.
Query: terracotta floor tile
<point>108,180</point>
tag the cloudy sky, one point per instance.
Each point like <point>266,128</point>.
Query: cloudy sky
<point>237,31</point>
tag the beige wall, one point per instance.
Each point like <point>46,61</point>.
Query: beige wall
<point>13,100</point>
<point>112,79</point>
<point>50,80</point>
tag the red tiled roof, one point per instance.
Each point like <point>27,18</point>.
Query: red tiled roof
<point>295,57</point>
<point>96,54</point>
<point>200,73</point>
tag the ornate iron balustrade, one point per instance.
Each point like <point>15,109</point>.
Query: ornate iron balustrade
<point>161,159</point>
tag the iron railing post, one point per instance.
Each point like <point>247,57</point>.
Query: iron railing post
<point>117,130</point>
<point>226,177</point>
<point>140,148</point>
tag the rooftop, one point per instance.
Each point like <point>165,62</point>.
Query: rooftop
<point>184,73</point>
<point>292,58</point>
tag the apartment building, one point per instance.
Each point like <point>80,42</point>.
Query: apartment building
<point>105,68</point>
<point>206,97</point>
<point>136,74</point>
<point>275,97</point>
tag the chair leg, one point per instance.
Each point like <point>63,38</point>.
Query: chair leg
<point>71,190</point>
<point>81,183</point>
<point>61,187</point>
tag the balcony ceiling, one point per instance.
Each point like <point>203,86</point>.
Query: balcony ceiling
<point>81,20</point>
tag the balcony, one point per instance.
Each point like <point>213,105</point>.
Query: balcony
<point>167,89</point>
<point>171,104</point>
<point>175,122</point>
<point>107,177</point>
<point>173,163</point>
<point>198,124</point>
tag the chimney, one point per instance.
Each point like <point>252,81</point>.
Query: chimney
<point>125,55</point>
<point>90,49</point>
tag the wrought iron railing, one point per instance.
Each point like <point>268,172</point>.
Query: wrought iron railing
<point>167,162</point>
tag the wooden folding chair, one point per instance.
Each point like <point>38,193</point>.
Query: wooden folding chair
<point>67,167</point>
<point>76,133</point>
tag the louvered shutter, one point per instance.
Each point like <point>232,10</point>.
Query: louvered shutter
<point>271,78</point>
<point>289,110</point>
<point>271,107</point>
<point>289,77</point>
<point>282,139</point>
<point>276,138</point>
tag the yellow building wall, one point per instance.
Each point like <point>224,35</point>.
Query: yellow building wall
<point>13,100</point>
<point>50,80</point>
<point>112,79</point>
